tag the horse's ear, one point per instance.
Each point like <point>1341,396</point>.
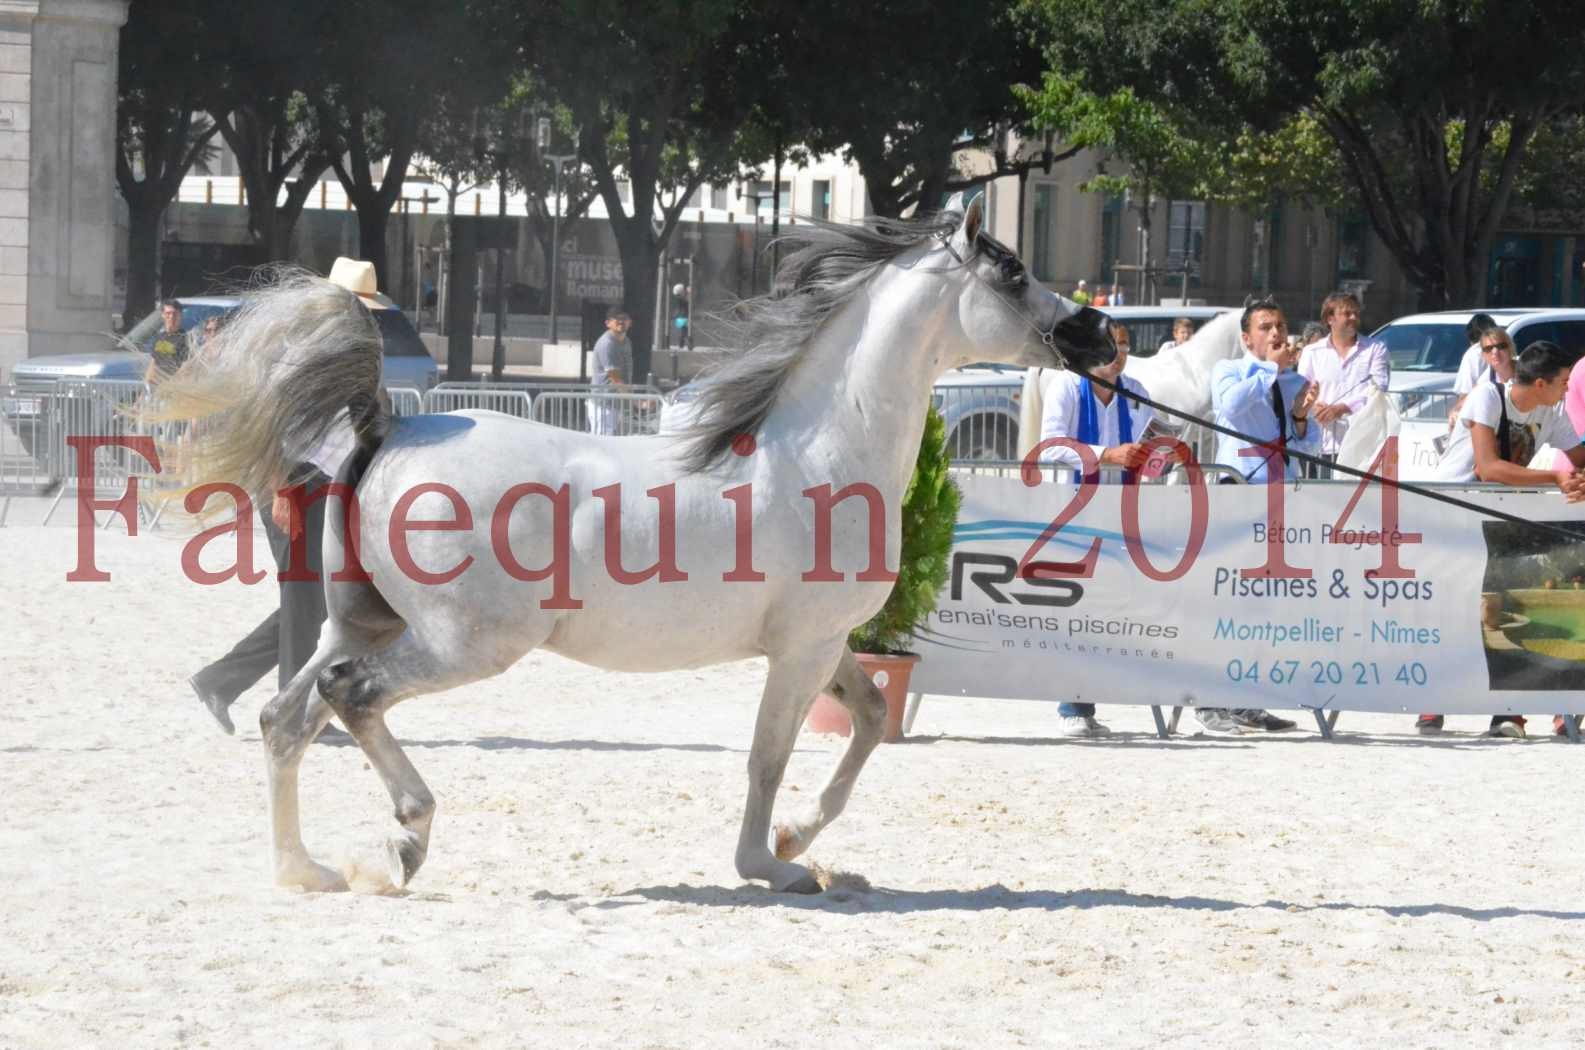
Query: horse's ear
<point>973,221</point>
<point>974,218</point>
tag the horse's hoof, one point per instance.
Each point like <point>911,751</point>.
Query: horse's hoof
<point>307,876</point>
<point>405,856</point>
<point>788,842</point>
<point>806,885</point>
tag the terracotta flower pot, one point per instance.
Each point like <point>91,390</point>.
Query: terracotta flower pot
<point>890,674</point>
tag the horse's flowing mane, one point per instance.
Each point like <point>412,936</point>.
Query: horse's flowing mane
<point>832,263</point>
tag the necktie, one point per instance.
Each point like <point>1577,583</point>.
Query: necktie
<point>1282,420</point>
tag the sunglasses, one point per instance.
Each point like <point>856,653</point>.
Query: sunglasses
<point>1491,348</point>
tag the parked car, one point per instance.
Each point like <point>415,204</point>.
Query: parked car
<point>1435,342</point>
<point>981,403</point>
<point>406,363</point>
<point>1426,350</point>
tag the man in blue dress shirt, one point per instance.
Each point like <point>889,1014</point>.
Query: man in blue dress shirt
<point>1263,396</point>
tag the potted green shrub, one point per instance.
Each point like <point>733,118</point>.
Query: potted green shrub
<point>929,516</point>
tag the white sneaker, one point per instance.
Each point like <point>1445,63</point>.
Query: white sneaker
<point>1216,720</point>
<point>1080,726</point>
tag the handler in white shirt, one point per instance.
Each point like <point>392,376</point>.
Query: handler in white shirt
<point>1111,425</point>
<point>1073,407</point>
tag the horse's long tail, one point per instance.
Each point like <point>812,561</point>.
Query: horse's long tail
<point>266,392</point>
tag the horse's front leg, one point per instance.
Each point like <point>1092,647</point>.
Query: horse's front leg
<point>789,691</point>
<point>867,708</point>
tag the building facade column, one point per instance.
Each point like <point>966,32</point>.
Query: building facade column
<point>57,174</point>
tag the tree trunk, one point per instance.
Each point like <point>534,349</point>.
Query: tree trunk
<point>463,243</point>
<point>143,258</point>
<point>373,219</point>
<point>640,250</point>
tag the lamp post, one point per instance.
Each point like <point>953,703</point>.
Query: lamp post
<point>747,192</point>
<point>542,138</point>
<point>496,141</point>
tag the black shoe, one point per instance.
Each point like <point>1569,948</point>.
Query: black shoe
<point>217,705</point>
<point>1255,718</point>
<point>1510,726</point>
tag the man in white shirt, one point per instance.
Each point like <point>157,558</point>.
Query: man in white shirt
<point>1346,368</point>
<point>1073,407</point>
<point>1111,426</point>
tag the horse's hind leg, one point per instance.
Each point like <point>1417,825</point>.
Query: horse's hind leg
<point>789,690</point>
<point>358,620</point>
<point>867,708</point>
<point>360,691</point>
<point>288,727</point>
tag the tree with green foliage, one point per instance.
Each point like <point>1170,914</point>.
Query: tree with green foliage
<point>929,520</point>
<point>384,62</point>
<point>161,131</point>
<point>906,91</point>
<point>257,101</point>
<point>1430,106</point>
<point>661,96</point>
<point>1165,154</point>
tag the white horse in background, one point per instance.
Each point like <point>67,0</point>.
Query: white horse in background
<point>635,553</point>
<point>1179,378</point>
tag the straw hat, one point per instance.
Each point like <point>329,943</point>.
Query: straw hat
<point>358,277</point>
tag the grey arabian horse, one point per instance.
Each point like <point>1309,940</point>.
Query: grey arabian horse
<point>767,529</point>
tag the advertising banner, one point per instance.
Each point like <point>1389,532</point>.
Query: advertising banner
<point>1317,594</point>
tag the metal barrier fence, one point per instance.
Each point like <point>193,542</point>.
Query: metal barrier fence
<point>21,472</point>
<point>1012,468</point>
<point>100,408</point>
<point>405,400</point>
<point>982,425</point>
<point>1432,405</point>
<point>512,402</point>
<point>981,420</point>
<point>617,414</point>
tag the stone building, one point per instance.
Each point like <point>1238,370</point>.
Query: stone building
<point>57,174</point>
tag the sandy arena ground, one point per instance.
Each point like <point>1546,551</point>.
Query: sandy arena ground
<point>994,886</point>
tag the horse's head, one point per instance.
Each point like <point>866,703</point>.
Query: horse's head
<point>1008,317</point>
